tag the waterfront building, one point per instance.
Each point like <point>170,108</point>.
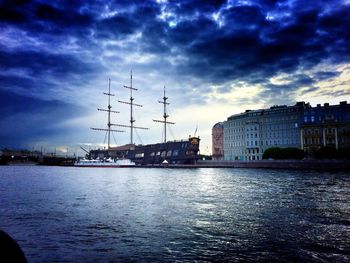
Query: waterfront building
<point>218,141</point>
<point>325,126</point>
<point>247,135</point>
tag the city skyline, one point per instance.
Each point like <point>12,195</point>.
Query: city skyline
<point>215,59</point>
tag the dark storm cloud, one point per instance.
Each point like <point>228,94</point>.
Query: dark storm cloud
<point>301,80</point>
<point>195,6</point>
<point>310,89</point>
<point>17,83</point>
<point>248,43</point>
<point>25,118</point>
<point>42,17</point>
<point>19,104</point>
<point>323,75</point>
<point>13,12</point>
<point>257,42</point>
<point>116,27</point>
<point>41,74</point>
<point>39,63</point>
<point>336,93</point>
<point>243,17</point>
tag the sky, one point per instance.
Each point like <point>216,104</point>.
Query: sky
<point>215,58</point>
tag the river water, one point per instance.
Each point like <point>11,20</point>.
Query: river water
<point>69,214</point>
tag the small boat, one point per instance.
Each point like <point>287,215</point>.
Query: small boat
<point>104,163</point>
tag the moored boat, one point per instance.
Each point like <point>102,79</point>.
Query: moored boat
<point>106,162</point>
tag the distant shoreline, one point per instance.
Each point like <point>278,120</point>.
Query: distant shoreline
<point>270,164</point>
<point>265,164</point>
<point>281,164</point>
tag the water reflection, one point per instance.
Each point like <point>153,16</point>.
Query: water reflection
<point>166,214</point>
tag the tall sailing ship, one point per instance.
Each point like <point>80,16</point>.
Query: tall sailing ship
<point>165,152</point>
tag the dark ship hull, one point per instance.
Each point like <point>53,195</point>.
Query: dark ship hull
<point>172,152</point>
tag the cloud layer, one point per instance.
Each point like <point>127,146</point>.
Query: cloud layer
<point>64,51</point>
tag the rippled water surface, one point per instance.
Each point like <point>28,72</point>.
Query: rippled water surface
<point>157,215</point>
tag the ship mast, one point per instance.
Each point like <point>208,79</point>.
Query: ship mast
<point>132,120</point>
<point>109,124</point>
<point>165,115</point>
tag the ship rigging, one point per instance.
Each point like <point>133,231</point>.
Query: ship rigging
<point>165,115</point>
<point>109,124</point>
<point>131,103</point>
<point>173,152</point>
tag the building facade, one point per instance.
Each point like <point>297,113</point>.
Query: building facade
<point>218,141</point>
<point>247,135</point>
<point>325,126</point>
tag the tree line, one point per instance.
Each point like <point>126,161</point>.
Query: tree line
<point>326,152</point>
